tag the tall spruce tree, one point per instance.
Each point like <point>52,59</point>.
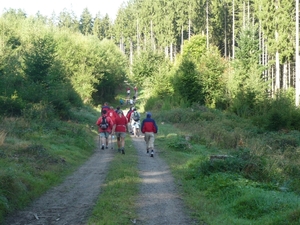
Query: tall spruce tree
<point>86,22</point>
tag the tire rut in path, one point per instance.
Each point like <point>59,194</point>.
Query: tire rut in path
<point>71,202</point>
<point>158,201</point>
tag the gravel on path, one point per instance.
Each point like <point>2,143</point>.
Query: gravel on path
<point>72,202</point>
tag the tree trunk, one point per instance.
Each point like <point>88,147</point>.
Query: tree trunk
<point>233,38</point>
<point>152,36</point>
<point>137,37</point>
<point>285,77</point>
<point>277,63</point>
<point>225,33</point>
<point>297,67</point>
<point>181,46</point>
<point>244,15</point>
<point>131,52</point>
<point>207,36</point>
<point>171,52</point>
<point>189,29</point>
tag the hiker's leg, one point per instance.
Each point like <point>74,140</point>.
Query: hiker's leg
<point>130,128</point>
<point>134,130</point>
<point>122,142</point>
<point>118,141</point>
<point>122,139</point>
<point>151,141</point>
<point>102,137</point>
<point>138,129</point>
<point>146,138</point>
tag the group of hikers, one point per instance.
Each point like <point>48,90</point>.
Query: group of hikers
<point>115,123</point>
<point>130,101</point>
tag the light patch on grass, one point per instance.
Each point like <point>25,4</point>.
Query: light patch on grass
<point>171,135</point>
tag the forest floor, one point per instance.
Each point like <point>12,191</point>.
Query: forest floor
<point>72,202</point>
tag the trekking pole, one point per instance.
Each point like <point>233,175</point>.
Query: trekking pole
<point>99,144</point>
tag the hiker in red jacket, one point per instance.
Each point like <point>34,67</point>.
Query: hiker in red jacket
<point>128,116</point>
<point>149,128</point>
<point>112,114</point>
<point>105,124</point>
<point>119,129</point>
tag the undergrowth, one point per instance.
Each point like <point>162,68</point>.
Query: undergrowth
<point>36,155</point>
<point>230,171</point>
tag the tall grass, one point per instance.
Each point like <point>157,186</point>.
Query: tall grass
<point>36,155</point>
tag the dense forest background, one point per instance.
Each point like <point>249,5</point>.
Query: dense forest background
<point>232,55</point>
<point>220,77</point>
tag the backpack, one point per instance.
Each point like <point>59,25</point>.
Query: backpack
<point>136,116</point>
<point>104,124</point>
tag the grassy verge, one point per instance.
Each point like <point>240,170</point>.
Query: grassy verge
<point>218,194</point>
<point>116,204</point>
<point>36,155</point>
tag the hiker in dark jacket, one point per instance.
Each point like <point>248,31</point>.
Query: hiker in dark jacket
<point>149,128</point>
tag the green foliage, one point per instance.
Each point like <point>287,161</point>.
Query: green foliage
<point>178,143</point>
<point>42,65</point>
<point>145,65</point>
<point>153,73</point>
<point>86,22</point>
<point>212,67</point>
<point>195,48</point>
<point>277,113</point>
<point>187,83</point>
<point>256,205</point>
<point>39,58</point>
<point>35,156</point>
<point>11,106</point>
<point>166,102</point>
<point>245,85</point>
<point>102,27</point>
<point>110,67</point>
<point>243,162</point>
<point>68,20</point>
<point>247,145</point>
<point>247,187</point>
<point>243,104</point>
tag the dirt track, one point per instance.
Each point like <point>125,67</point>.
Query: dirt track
<point>72,202</point>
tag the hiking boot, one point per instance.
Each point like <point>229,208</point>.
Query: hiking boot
<point>123,152</point>
<point>152,153</point>
<point>119,150</point>
<point>102,147</point>
<point>147,150</point>
<point>106,147</point>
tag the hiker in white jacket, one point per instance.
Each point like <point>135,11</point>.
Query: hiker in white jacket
<point>135,122</point>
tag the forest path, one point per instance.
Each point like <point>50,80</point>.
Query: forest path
<point>72,202</point>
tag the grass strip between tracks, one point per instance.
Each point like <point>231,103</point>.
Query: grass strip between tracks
<point>116,203</point>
